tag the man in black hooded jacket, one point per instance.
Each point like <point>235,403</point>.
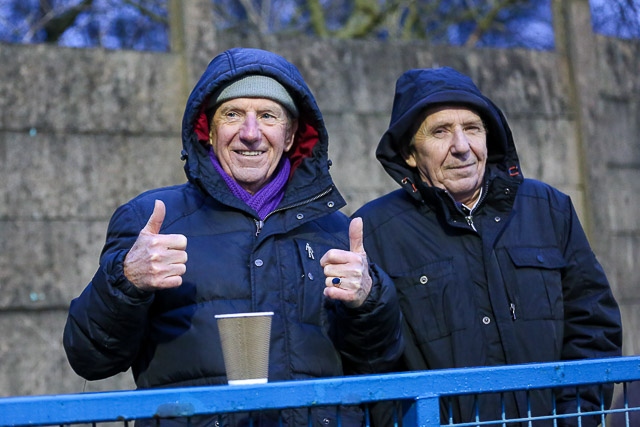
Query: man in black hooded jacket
<point>490,268</point>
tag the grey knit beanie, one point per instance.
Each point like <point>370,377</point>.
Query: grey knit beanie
<point>256,86</point>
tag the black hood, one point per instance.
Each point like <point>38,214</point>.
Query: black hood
<point>419,89</point>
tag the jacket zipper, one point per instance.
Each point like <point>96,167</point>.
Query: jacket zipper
<point>260,223</point>
<point>469,219</point>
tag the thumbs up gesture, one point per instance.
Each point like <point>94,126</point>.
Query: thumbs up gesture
<point>156,261</point>
<point>347,272</point>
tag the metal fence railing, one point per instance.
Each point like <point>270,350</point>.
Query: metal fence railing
<point>420,394</point>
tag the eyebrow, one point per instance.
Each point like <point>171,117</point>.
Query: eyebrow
<point>449,123</point>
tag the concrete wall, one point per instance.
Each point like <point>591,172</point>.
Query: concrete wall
<point>82,131</point>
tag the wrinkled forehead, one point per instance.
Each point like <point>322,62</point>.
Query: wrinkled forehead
<point>442,114</point>
<point>449,111</point>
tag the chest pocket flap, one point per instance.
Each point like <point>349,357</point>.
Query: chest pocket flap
<point>548,258</point>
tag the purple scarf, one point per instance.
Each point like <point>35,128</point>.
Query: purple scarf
<point>268,197</point>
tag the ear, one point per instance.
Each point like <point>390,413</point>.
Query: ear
<point>291,135</point>
<point>408,156</point>
<point>212,135</point>
<point>411,160</point>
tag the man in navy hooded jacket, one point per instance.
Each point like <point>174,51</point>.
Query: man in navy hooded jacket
<point>256,228</point>
<point>490,268</point>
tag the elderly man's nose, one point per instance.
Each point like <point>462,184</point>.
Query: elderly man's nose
<point>460,141</point>
<point>249,129</point>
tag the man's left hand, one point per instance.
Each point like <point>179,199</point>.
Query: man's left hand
<point>347,272</point>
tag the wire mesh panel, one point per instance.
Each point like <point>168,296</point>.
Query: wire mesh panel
<point>534,407</point>
<point>535,395</point>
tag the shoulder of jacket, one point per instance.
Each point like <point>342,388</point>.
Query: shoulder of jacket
<point>180,200</point>
<point>386,209</point>
<point>535,189</point>
<point>395,201</point>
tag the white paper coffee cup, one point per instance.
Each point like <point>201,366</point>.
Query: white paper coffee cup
<point>245,339</point>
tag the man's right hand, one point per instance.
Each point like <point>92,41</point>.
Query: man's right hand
<point>156,261</point>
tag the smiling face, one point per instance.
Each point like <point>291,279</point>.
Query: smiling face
<point>449,150</point>
<point>249,137</point>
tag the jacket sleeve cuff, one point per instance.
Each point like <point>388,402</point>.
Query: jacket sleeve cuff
<point>373,298</point>
<point>121,283</point>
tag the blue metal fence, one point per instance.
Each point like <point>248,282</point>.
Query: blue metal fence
<point>420,392</point>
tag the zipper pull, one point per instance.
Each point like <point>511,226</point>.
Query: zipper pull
<point>469,219</point>
<point>259,224</point>
<point>512,310</point>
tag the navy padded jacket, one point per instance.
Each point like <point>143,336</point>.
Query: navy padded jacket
<point>236,263</point>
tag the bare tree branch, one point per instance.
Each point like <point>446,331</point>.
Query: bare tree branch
<point>484,22</point>
<point>317,18</point>
<point>366,18</point>
<point>254,16</point>
<point>146,11</point>
<point>55,21</point>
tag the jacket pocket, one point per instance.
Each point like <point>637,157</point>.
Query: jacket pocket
<point>423,295</point>
<point>535,282</point>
